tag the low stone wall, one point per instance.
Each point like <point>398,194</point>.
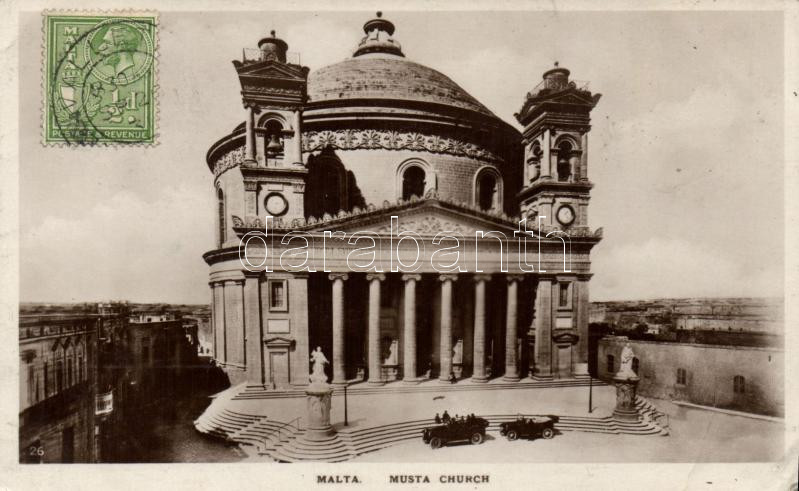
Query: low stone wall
<point>709,375</point>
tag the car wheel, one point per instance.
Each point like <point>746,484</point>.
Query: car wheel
<point>477,438</point>
<point>435,442</point>
<point>513,435</point>
<point>548,433</point>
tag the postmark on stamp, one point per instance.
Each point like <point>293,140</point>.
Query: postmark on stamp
<point>99,79</point>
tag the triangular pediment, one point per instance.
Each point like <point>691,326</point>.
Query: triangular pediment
<point>573,97</point>
<point>426,217</point>
<point>271,69</point>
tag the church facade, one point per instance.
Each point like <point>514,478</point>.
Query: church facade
<point>376,210</point>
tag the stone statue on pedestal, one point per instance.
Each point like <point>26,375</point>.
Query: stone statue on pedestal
<point>626,368</point>
<point>626,387</point>
<point>319,360</point>
<point>318,400</point>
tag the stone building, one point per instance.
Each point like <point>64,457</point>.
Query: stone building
<point>84,378</point>
<point>57,383</point>
<point>744,378</point>
<point>346,184</point>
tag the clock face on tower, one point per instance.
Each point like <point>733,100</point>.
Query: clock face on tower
<point>276,205</point>
<point>565,215</point>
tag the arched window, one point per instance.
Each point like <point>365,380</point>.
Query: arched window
<point>739,384</point>
<point>488,189</point>
<point>611,361</point>
<point>274,138</point>
<point>413,182</point>
<point>70,367</point>
<point>565,151</point>
<point>534,162</point>
<point>220,196</point>
<point>59,373</point>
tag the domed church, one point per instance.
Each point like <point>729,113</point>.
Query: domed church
<point>375,209</point>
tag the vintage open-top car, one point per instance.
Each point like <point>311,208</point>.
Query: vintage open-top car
<point>534,427</point>
<point>472,429</point>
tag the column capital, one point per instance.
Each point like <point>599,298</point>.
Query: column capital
<point>482,277</point>
<point>234,281</point>
<point>376,276</point>
<point>448,277</point>
<point>338,276</point>
<point>214,284</point>
<point>514,277</point>
<point>251,274</point>
<point>411,277</point>
<point>584,276</point>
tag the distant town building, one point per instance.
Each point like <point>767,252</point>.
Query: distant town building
<point>754,315</point>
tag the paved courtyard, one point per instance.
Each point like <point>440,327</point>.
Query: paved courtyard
<point>697,435</point>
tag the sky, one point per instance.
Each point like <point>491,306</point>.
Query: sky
<point>685,152</point>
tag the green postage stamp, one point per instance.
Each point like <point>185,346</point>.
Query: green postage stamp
<point>99,81</point>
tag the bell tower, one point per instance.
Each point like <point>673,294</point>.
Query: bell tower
<point>274,92</point>
<point>556,120</point>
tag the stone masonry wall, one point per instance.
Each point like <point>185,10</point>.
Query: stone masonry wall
<point>710,371</point>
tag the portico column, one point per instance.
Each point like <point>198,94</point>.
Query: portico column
<point>543,329</point>
<point>584,158</point>
<point>250,134</point>
<point>511,321</point>
<point>252,328</point>
<point>546,164</point>
<point>375,363</point>
<point>446,326</point>
<point>214,313</point>
<point>581,321</point>
<point>479,363</point>
<point>297,137</point>
<point>339,375</point>
<point>409,311</point>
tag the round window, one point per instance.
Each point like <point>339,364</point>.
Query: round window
<point>276,205</point>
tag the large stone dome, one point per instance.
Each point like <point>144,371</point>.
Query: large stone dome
<point>388,77</point>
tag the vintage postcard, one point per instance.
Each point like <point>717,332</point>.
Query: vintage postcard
<point>397,246</point>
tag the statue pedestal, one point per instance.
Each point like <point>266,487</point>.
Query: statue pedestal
<point>626,387</point>
<point>318,412</point>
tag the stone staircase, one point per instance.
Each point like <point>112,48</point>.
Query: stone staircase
<point>257,392</point>
<point>284,442</point>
